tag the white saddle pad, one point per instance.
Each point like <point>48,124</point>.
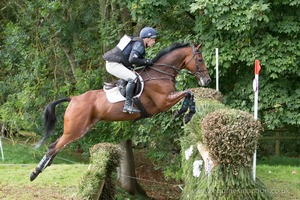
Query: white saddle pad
<point>113,95</point>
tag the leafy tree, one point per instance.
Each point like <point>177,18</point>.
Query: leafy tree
<point>47,47</point>
<point>249,30</point>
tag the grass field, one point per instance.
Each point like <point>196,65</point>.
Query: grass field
<point>20,151</point>
<point>60,181</point>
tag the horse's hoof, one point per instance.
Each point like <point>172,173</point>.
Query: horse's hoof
<point>33,176</point>
<point>187,118</point>
<point>176,114</point>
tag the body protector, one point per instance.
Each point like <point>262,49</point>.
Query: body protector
<point>128,54</point>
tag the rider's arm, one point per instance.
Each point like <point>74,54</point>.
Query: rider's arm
<point>137,53</point>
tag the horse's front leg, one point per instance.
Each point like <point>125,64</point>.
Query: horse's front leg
<point>188,103</point>
<point>184,107</point>
<point>174,98</point>
<point>192,108</point>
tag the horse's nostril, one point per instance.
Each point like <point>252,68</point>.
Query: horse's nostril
<point>208,81</point>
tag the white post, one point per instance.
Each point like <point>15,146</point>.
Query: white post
<point>217,69</point>
<point>255,89</point>
<point>1,149</point>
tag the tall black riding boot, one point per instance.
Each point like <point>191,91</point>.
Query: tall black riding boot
<point>128,107</point>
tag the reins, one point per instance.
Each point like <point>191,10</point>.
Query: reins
<point>161,71</point>
<point>177,70</point>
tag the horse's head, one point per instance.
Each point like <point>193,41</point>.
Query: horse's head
<point>195,64</point>
<point>179,56</point>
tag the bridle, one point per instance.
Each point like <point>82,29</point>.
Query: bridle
<point>198,73</point>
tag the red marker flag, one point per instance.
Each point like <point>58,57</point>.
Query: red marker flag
<point>257,67</point>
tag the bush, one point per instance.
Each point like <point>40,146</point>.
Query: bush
<point>97,181</point>
<point>231,136</point>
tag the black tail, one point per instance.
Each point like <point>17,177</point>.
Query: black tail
<point>50,119</point>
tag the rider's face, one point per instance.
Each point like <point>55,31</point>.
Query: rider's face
<point>151,42</point>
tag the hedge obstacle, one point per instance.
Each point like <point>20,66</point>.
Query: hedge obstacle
<point>97,181</point>
<point>217,151</point>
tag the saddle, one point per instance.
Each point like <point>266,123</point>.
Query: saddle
<point>116,91</point>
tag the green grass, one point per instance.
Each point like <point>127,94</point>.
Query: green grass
<point>279,160</point>
<point>60,181</point>
<point>20,151</point>
<point>281,175</point>
<point>56,182</point>
<point>283,182</point>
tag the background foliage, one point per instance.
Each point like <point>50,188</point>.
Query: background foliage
<point>52,49</point>
<point>249,30</point>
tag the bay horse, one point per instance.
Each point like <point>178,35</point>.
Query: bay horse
<point>159,95</point>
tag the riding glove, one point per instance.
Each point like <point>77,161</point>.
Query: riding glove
<point>148,62</point>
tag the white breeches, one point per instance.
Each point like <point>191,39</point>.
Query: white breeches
<point>120,71</point>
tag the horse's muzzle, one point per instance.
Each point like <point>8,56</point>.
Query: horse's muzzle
<point>204,81</point>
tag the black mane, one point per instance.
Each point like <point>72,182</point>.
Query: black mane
<point>167,50</point>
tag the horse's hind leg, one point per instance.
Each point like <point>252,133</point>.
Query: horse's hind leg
<point>70,135</point>
<point>45,162</point>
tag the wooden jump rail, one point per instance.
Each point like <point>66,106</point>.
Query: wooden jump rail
<point>277,139</point>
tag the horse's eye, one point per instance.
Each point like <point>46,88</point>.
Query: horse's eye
<point>199,59</point>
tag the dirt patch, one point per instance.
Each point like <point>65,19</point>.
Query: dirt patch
<point>153,181</point>
<point>29,193</point>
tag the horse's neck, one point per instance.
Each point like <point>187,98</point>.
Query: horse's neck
<point>167,66</point>
<point>175,59</point>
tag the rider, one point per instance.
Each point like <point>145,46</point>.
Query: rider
<point>130,52</point>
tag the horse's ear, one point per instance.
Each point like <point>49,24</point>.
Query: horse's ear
<point>198,47</point>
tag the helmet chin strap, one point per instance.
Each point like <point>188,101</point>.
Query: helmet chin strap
<point>146,40</point>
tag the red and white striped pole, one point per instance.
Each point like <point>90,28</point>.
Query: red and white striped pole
<point>255,89</point>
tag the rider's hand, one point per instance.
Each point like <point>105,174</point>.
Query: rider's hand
<point>148,62</point>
